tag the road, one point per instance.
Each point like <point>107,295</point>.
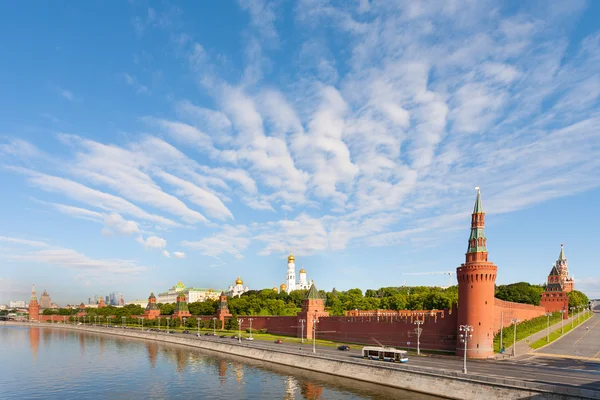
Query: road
<point>588,377</point>
<point>582,343</point>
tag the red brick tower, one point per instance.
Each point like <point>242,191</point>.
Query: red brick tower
<point>81,311</point>
<point>152,310</point>
<point>101,302</point>
<point>313,307</point>
<point>34,307</point>
<point>476,286</point>
<point>555,296</point>
<point>223,310</point>
<point>181,308</point>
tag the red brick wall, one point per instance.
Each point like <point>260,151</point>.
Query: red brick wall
<point>437,333</point>
<point>276,325</point>
<point>555,301</point>
<point>509,310</point>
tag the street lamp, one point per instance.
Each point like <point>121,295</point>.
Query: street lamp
<point>240,320</point>
<point>418,323</point>
<point>548,314</point>
<point>52,318</point>
<point>123,321</point>
<point>108,320</point>
<point>64,319</point>
<point>214,326</point>
<point>95,319</point>
<point>198,327</point>
<point>302,321</point>
<point>168,324</point>
<point>562,321</point>
<point>250,319</point>
<point>142,318</point>
<point>464,338</point>
<point>159,323</point>
<point>572,317</point>
<point>515,321</point>
<point>184,319</point>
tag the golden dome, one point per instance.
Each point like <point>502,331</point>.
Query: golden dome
<point>302,271</point>
<point>275,289</point>
<point>291,258</point>
<point>283,287</point>
<point>238,281</point>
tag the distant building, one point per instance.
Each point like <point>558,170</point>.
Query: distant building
<point>290,279</point>
<point>192,294</point>
<point>45,301</point>
<point>3,307</point>
<point>238,289</point>
<point>141,303</point>
<point>114,299</point>
<point>16,304</point>
<point>555,297</point>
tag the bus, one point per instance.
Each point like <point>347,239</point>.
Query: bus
<point>385,354</point>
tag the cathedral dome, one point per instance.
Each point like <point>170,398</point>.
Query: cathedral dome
<point>291,258</point>
<point>283,287</point>
<point>302,271</point>
<point>275,289</point>
<point>238,281</point>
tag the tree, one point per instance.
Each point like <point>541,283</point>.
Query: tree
<point>521,292</point>
<point>578,299</point>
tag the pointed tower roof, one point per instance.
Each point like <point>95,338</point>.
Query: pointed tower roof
<point>478,205</point>
<point>562,252</point>
<point>33,296</point>
<point>313,293</point>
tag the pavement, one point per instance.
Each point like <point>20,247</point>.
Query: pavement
<point>522,346</point>
<point>582,343</point>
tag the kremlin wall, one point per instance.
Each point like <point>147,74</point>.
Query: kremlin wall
<point>477,308</point>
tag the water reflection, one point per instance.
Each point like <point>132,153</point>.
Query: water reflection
<point>106,367</point>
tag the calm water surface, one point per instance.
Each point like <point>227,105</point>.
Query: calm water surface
<point>47,363</point>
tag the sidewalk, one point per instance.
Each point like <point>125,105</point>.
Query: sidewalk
<point>523,345</point>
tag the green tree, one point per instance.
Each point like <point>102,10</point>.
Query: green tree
<point>578,299</point>
<point>520,292</point>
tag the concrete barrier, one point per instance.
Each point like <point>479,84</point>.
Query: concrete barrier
<point>449,384</point>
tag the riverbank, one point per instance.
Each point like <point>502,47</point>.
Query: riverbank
<point>449,384</point>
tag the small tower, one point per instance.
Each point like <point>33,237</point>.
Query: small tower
<point>476,287</point>
<point>152,311</point>
<point>313,307</point>
<point>223,310</point>
<point>34,307</point>
<point>283,288</point>
<point>181,308</point>
<point>101,302</point>
<point>302,280</point>
<point>555,298</point>
<point>290,279</point>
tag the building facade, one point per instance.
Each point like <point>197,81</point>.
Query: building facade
<point>192,294</point>
<point>238,289</point>
<point>45,301</point>
<point>16,304</point>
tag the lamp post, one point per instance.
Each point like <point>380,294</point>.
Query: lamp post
<point>184,320</point>
<point>240,320</point>
<point>168,324</point>
<point>123,321</point>
<point>418,323</point>
<point>159,324</point>
<point>548,315</point>
<point>52,319</point>
<point>464,338</point>
<point>572,317</point>
<point>302,321</point>
<point>214,326</point>
<point>515,321</point>
<point>108,320</point>
<point>250,319</point>
<point>501,328</point>
<point>198,327</point>
<point>64,319</point>
<point>95,319</point>
<point>142,318</point>
<point>562,321</point>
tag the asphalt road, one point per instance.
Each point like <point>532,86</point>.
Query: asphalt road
<point>535,372</point>
<point>582,342</point>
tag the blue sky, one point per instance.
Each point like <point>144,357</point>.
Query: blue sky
<point>143,143</point>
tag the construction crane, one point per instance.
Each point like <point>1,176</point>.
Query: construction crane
<point>449,273</point>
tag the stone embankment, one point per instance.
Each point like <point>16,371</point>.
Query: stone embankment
<point>442,383</point>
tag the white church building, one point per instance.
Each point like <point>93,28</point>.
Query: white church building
<point>290,280</point>
<point>238,289</point>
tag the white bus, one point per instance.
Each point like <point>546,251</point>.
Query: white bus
<point>384,354</point>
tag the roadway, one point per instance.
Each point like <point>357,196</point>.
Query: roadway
<point>549,374</point>
<point>583,343</point>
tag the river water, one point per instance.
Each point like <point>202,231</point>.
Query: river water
<point>47,363</point>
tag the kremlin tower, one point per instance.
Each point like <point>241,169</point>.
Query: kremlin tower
<point>152,311</point>
<point>34,307</point>
<point>181,308</point>
<point>555,297</point>
<point>223,310</point>
<point>476,287</point>
<point>313,307</point>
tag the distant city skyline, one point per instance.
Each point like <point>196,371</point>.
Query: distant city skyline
<point>201,142</point>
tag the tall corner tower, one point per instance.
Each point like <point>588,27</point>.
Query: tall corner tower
<point>34,307</point>
<point>290,279</point>
<point>476,286</point>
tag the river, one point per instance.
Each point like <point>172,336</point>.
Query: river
<point>47,363</point>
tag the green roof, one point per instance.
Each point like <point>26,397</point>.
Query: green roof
<point>313,293</point>
<point>478,205</point>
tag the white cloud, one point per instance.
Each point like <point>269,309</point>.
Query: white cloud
<point>179,254</point>
<point>26,242</point>
<point>114,223</point>
<point>78,212</point>
<point>166,253</point>
<point>231,240</point>
<point>152,242</point>
<point>133,82</point>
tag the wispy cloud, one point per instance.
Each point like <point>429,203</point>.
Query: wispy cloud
<point>231,240</point>
<point>133,82</point>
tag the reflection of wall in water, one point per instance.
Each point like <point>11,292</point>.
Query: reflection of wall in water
<point>222,371</point>
<point>311,391</point>
<point>152,353</point>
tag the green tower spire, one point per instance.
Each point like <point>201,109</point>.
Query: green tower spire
<point>313,293</point>
<point>477,239</point>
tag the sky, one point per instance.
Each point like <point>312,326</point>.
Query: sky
<point>144,143</point>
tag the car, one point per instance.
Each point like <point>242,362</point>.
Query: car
<point>223,336</point>
<point>249,338</point>
<point>185,331</point>
<point>208,334</point>
<point>234,337</point>
<point>344,347</point>
<point>279,341</point>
